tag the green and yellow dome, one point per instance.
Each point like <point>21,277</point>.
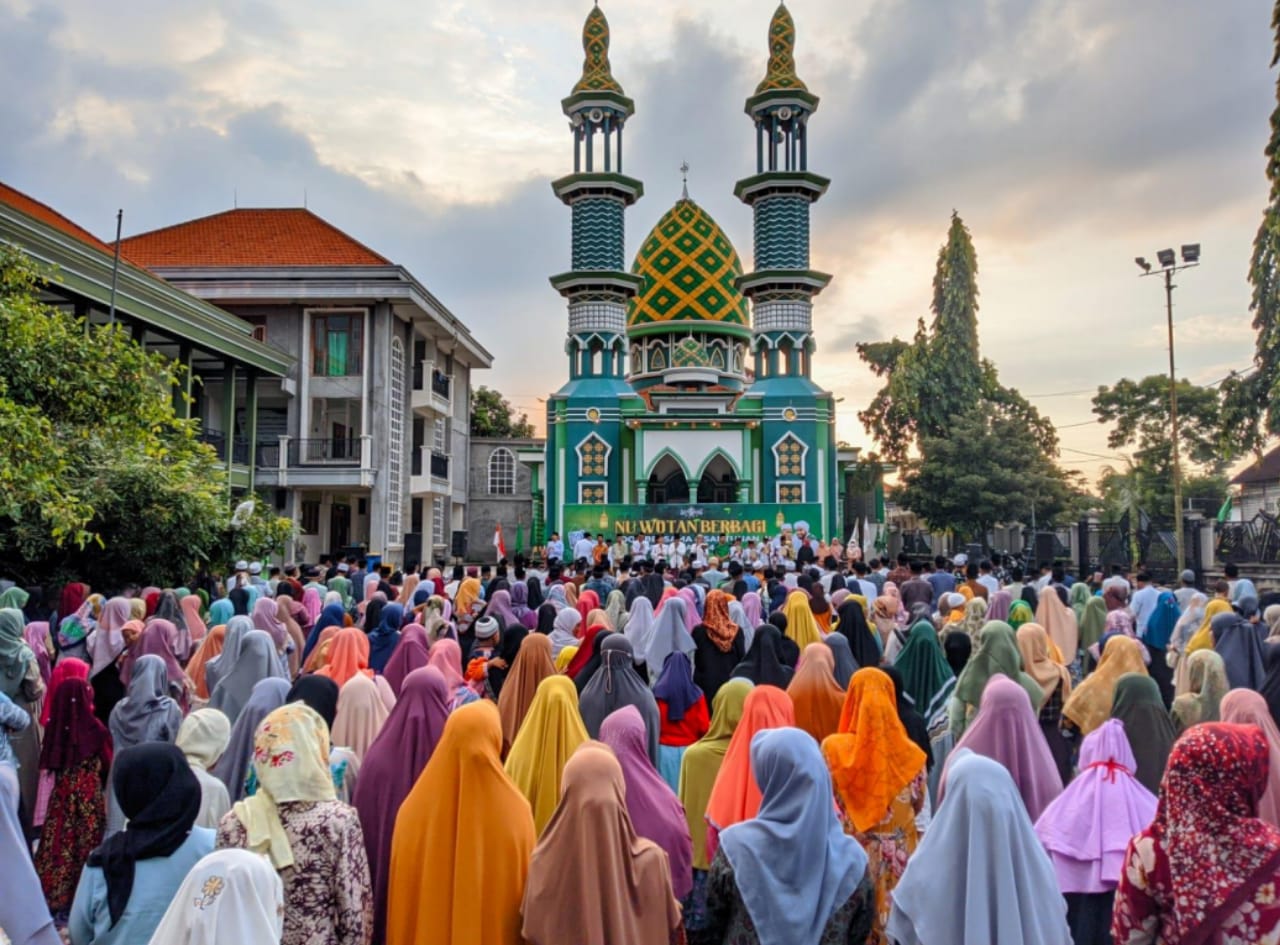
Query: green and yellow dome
<point>689,269</point>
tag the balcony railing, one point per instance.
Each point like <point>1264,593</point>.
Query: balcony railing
<point>440,384</point>
<point>439,465</point>
<point>415,461</point>
<point>328,451</point>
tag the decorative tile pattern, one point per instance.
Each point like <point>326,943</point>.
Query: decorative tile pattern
<point>598,234</point>
<point>781,73</point>
<point>782,232</point>
<point>593,457</point>
<point>790,456</point>
<point>597,75</point>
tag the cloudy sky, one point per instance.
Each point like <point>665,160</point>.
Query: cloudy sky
<point>1071,136</point>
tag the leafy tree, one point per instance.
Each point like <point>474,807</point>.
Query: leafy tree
<point>1253,402</point>
<point>939,374</point>
<point>985,469</point>
<point>99,477</point>
<point>493,415</point>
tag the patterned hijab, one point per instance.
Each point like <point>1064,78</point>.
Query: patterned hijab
<point>721,629</point>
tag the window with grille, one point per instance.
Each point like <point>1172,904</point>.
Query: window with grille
<point>593,457</point>
<point>502,472</point>
<point>438,537</point>
<point>591,493</point>
<point>337,345</point>
<point>791,492</point>
<point>789,455</point>
<point>395,446</point>
<point>310,517</point>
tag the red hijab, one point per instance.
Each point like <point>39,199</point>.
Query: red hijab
<point>583,656</point>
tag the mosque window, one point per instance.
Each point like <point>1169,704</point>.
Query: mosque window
<point>502,472</point>
<point>658,357</point>
<point>637,359</point>
<point>789,456</point>
<point>593,457</point>
<point>791,492</point>
<point>590,493</point>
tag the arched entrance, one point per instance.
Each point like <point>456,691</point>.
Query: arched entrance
<point>667,483</point>
<point>719,483</point>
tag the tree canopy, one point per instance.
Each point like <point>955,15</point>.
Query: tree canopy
<point>493,415</point>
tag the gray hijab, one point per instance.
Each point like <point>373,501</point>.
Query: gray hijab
<point>233,767</point>
<point>220,665</point>
<point>146,713</point>
<point>846,665</point>
<point>255,662</point>
<point>617,684</point>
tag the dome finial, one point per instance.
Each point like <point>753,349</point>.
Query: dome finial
<point>781,73</point>
<point>597,74</point>
<point>684,176</point>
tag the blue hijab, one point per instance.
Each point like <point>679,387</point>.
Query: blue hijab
<point>675,686</point>
<point>385,636</point>
<point>333,615</point>
<point>1163,619</point>
<point>220,611</point>
<point>793,864</point>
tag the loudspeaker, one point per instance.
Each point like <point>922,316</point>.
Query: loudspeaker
<point>458,547</point>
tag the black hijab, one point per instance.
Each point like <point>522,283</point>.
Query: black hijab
<point>239,598</point>
<point>854,627</point>
<point>653,587</point>
<point>373,613</point>
<point>546,619</point>
<point>535,593</point>
<point>788,649</point>
<point>508,649</point>
<point>912,721</point>
<point>1031,597</point>
<point>320,693</point>
<point>957,645</point>
<point>161,799</point>
<point>1271,684</point>
<point>764,665</point>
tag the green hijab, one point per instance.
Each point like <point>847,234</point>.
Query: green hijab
<point>1078,598</point>
<point>702,762</point>
<point>997,653</point>
<point>1147,725</point>
<point>1092,622</point>
<point>15,655</point>
<point>14,597</point>
<point>926,674</point>
<point>1020,613</point>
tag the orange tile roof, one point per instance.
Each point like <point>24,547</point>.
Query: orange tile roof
<point>46,214</point>
<point>284,237</point>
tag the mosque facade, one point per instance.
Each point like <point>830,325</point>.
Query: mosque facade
<point>690,406</point>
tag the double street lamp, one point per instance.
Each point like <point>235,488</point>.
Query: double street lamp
<point>1168,266</point>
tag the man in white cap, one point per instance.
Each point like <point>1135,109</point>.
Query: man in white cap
<point>241,576</point>
<point>255,574</point>
<point>485,649</point>
<point>806,550</point>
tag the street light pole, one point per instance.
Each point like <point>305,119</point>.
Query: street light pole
<point>1168,266</point>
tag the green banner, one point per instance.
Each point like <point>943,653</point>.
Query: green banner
<point>711,519</point>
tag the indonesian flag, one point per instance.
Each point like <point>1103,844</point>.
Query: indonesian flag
<point>498,542</point>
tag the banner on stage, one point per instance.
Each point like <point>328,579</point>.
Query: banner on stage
<point>739,519</point>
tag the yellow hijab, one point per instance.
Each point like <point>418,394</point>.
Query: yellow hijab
<point>1202,639</point>
<point>551,730</point>
<point>801,627</point>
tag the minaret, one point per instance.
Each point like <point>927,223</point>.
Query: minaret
<point>597,286</point>
<point>782,287</point>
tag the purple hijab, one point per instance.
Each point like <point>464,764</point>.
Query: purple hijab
<point>391,766</point>
<point>1087,828</point>
<point>675,686</point>
<point>753,606</point>
<point>412,653</point>
<point>1006,729</point>
<point>520,605</point>
<point>690,598</point>
<point>655,810</point>
<point>998,608</point>
<point>500,610</point>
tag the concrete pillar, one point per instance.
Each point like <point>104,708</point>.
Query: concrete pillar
<point>251,422</point>
<point>229,413</point>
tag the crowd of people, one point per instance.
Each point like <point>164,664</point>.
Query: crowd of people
<point>616,752</point>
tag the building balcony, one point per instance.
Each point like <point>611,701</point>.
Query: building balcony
<point>429,472</point>
<point>432,389</point>
<point>337,462</point>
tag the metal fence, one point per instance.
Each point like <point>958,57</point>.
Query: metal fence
<point>1256,541</point>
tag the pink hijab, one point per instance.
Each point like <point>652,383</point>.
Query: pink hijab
<point>196,627</point>
<point>313,604</point>
<point>266,616</point>
<point>691,618</point>
<point>1246,707</point>
<point>361,714</point>
<point>446,656</point>
<point>753,607</point>
<point>412,652</point>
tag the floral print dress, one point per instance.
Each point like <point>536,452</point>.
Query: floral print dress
<point>73,828</point>
<point>889,844</point>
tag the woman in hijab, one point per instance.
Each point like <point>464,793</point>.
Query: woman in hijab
<point>957,647</point>
<point>586,659</point>
<point>975,617</point>
<point>312,840</point>
<point>1147,726</point>
<point>670,633</point>
<point>170,610</point>
<point>391,767</point>
<point>1176,652</point>
<point>591,845</point>
<point>361,715</point>
<point>332,617</point>
<point>927,677</point>
<point>845,664</point>
<point>462,842</point>
<point>348,655</point>
<point>998,606</point>
<point>1078,598</point>
<point>1202,639</point>
<point>1059,622</point>
<point>802,629</point>
<point>20,681</point>
<point>911,720</point>
<point>698,772</point>
<point>551,731</point>
<point>412,653</point>
<point>1055,682</point>
<point>735,797</point>
<point>1206,868</point>
<point>1090,705</point>
<point>981,875</point>
<point>852,624</point>
<point>230,897</point>
<point>520,609</point>
<point>1237,641</point>
<point>203,739</point>
<point>564,632</point>
<point>1086,829</point>
<point>790,874</point>
<point>321,696</point>
<point>446,656</point>
<point>879,776</point>
<point>617,684</point>
<point>1020,613</point>
<point>821,608</point>
<point>104,644</point>
<point>155,638</point>
<point>815,690</point>
<point>24,916</point>
<point>145,714</point>
<point>385,636</point>
<point>1246,707</point>
<point>652,804</point>
<point>254,661</point>
<point>1006,729</point>
<point>219,665</point>
<point>720,645</point>
<point>682,709</point>
<point>763,664</point>
<point>234,768</point>
<point>1207,684</point>
<point>129,881</point>
<point>532,665</point>
<point>76,754</point>
<point>997,654</point>
<point>210,647</point>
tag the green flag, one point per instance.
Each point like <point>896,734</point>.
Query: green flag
<point>1224,513</point>
<point>519,538</point>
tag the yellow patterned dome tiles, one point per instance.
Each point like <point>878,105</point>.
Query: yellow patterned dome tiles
<point>782,59</point>
<point>597,75</point>
<point>689,269</point>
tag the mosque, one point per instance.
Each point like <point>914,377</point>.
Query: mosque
<point>689,407</point>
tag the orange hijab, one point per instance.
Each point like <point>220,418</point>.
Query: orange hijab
<point>462,842</point>
<point>533,664</point>
<point>721,629</point>
<point>814,692</point>
<point>348,655</point>
<point>735,797</point>
<point>871,758</point>
<point>191,614</point>
<point>209,647</point>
